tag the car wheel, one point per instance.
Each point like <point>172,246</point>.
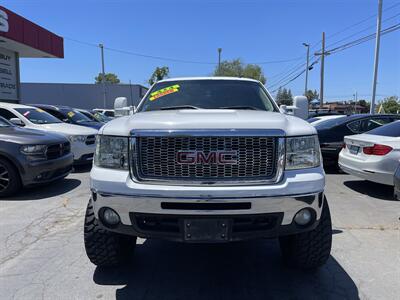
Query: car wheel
<point>309,250</point>
<point>10,182</point>
<point>105,248</point>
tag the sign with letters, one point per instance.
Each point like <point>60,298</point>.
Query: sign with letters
<point>8,75</point>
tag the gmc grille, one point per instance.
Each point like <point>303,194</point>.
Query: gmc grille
<point>256,158</point>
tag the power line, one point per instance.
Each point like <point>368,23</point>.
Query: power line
<point>338,49</point>
<point>127,52</point>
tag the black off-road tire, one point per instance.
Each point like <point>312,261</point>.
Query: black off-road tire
<point>309,250</point>
<point>105,248</point>
<point>10,182</point>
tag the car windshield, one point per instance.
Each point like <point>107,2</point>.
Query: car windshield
<point>37,116</point>
<point>75,116</point>
<point>101,118</point>
<point>207,94</point>
<point>391,129</point>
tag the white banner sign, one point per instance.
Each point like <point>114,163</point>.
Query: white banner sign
<point>8,75</point>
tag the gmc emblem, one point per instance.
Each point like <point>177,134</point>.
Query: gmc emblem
<point>188,157</point>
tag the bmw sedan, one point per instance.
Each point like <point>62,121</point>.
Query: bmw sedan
<point>332,132</point>
<point>374,155</point>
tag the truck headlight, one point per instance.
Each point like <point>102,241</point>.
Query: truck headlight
<point>34,152</point>
<point>111,152</point>
<point>302,152</point>
<point>77,138</point>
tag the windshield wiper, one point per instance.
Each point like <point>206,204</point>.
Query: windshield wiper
<point>240,107</point>
<point>179,107</point>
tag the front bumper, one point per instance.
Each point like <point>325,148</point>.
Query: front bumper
<point>298,189</point>
<point>46,171</point>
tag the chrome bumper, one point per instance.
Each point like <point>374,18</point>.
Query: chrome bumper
<point>289,205</point>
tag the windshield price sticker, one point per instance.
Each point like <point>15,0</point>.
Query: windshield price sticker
<point>40,110</point>
<point>165,91</point>
<point>70,114</point>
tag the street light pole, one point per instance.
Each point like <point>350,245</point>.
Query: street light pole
<point>321,90</point>
<point>308,61</point>
<point>377,44</point>
<point>103,76</point>
<point>219,60</point>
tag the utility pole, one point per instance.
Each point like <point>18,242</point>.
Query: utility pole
<point>321,89</point>
<point>219,60</point>
<point>103,76</point>
<point>377,44</point>
<point>308,61</point>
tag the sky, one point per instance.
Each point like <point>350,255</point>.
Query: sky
<point>193,30</point>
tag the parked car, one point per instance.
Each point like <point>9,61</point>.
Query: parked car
<point>29,157</point>
<point>373,155</point>
<point>94,116</point>
<point>319,119</point>
<point>107,112</point>
<point>332,132</point>
<point>69,115</point>
<point>82,138</point>
<point>397,183</point>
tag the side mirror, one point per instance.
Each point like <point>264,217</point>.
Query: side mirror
<point>283,109</point>
<point>17,121</point>
<point>301,104</point>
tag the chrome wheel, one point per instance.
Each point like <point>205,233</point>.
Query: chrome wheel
<point>4,178</point>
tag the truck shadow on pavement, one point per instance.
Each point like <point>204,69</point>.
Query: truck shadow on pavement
<point>52,189</point>
<point>371,189</point>
<point>251,270</point>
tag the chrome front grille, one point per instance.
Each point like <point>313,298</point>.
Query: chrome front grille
<point>156,158</point>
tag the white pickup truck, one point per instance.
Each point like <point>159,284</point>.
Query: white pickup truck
<point>208,160</point>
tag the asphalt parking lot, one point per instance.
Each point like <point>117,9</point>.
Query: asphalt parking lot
<point>42,254</point>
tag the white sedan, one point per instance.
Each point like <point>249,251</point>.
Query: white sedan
<point>373,155</point>
<point>82,138</point>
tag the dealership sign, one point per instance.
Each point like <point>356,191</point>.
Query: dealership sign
<point>8,75</point>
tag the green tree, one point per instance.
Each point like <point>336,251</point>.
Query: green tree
<point>284,97</point>
<point>391,104</point>
<point>108,78</point>
<point>158,74</point>
<point>236,68</point>
<point>311,95</point>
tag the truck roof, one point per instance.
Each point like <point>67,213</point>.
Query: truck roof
<point>208,78</point>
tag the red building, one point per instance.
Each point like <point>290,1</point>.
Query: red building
<point>20,37</point>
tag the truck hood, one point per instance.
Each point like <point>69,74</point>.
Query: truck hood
<point>208,119</point>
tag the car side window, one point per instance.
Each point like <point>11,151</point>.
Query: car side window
<point>355,126</point>
<point>6,114</point>
<point>372,123</point>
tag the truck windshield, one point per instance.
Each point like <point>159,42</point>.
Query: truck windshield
<point>207,94</point>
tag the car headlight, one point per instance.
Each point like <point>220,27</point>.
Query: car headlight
<point>77,138</point>
<point>302,152</point>
<point>111,152</point>
<point>34,152</point>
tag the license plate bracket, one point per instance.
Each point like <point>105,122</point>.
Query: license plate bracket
<point>206,230</point>
<point>354,149</point>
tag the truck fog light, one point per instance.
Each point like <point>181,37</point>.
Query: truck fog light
<point>303,217</point>
<point>110,216</point>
